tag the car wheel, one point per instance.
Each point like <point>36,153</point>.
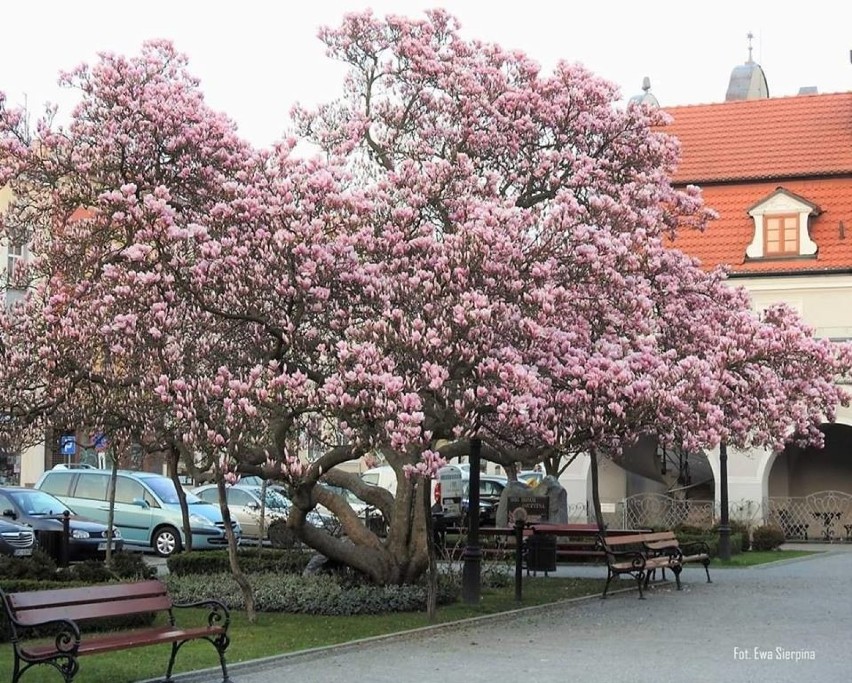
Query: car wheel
<point>166,541</point>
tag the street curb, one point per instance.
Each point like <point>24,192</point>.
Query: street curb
<point>265,663</point>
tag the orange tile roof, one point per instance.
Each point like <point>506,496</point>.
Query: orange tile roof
<point>741,152</point>
<point>803,136</point>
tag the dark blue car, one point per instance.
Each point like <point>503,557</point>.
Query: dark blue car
<point>43,513</point>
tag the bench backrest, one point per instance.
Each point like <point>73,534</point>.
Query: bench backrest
<point>616,542</point>
<point>655,539</point>
<point>88,602</point>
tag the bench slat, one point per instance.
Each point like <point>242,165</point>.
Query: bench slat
<point>99,593</point>
<point>93,610</point>
<point>632,539</point>
<point>91,645</point>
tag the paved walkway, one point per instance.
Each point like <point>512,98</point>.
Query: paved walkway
<point>785,622</point>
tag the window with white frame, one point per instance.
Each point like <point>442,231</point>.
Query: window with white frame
<point>15,253</point>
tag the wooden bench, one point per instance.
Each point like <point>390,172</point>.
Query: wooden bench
<point>666,543</point>
<point>640,555</point>
<point>578,542</point>
<point>60,612</point>
<point>575,542</point>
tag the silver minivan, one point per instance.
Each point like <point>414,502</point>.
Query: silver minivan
<point>147,509</point>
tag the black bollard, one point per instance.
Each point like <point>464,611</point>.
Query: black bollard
<point>63,543</point>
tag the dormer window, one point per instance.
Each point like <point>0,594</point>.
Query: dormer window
<point>781,235</point>
<point>781,227</point>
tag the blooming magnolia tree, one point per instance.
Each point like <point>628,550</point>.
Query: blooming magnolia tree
<point>477,253</point>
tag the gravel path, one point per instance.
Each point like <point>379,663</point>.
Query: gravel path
<point>789,621</point>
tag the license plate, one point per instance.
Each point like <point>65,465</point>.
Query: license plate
<point>21,552</point>
<point>102,546</point>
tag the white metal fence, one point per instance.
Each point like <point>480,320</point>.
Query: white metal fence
<point>822,515</point>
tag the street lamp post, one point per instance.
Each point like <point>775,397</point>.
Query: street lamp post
<point>724,521</point>
<point>520,517</point>
<point>471,578</point>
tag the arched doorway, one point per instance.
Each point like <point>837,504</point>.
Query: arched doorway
<point>810,489</point>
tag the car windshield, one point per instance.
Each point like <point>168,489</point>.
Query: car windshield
<point>38,503</point>
<point>166,491</point>
<point>275,500</point>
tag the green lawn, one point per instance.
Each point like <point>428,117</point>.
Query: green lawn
<point>274,634</point>
<point>754,557</point>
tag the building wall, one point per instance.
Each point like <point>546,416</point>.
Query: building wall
<point>823,300</point>
<point>32,465</point>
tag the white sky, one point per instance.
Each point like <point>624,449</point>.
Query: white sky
<point>255,58</point>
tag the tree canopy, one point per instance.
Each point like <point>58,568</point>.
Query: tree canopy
<point>474,248</point>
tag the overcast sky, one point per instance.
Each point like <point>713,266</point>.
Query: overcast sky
<point>255,58</point>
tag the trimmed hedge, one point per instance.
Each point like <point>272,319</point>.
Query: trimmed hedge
<point>251,562</point>
<point>321,594</point>
<point>712,541</point>
<point>740,528</point>
<point>768,538</point>
<point>126,566</point>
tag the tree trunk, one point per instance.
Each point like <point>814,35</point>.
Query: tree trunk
<point>184,509</point>
<point>397,558</point>
<point>596,494</point>
<point>113,477</point>
<point>239,577</point>
<point>263,487</point>
<point>432,574</point>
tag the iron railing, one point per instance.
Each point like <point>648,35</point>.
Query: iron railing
<point>819,516</point>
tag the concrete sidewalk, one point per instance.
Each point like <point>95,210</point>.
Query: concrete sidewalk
<point>785,622</point>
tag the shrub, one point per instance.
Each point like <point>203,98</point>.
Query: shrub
<point>39,566</point>
<point>741,528</point>
<point>767,538</point>
<point>132,566</point>
<point>90,571</point>
<point>712,541</point>
<point>251,561</point>
<point>319,594</point>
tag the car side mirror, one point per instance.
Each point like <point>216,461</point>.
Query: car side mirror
<point>253,506</point>
<point>10,514</point>
<point>141,502</point>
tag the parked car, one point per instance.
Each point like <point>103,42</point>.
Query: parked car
<point>16,540</point>
<point>382,476</point>
<point>147,508</point>
<point>320,516</point>
<point>244,503</point>
<point>490,490</point>
<point>43,512</point>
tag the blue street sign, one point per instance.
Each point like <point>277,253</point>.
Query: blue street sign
<point>67,444</point>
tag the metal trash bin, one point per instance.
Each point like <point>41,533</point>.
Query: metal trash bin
<point>541,553</point>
